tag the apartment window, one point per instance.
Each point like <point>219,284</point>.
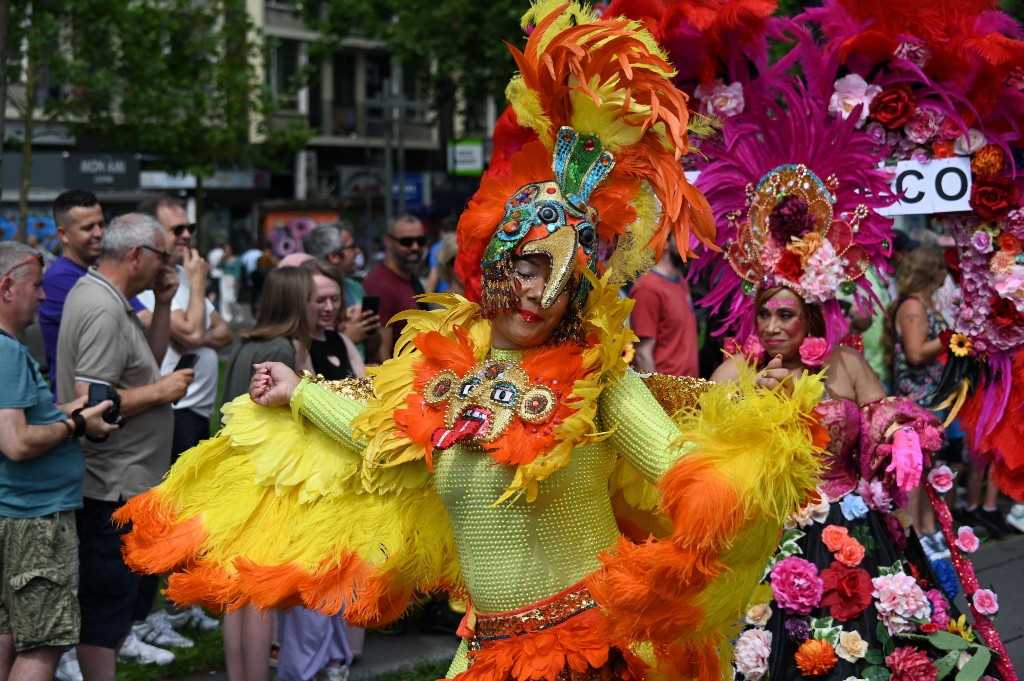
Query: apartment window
<point>285,61</point>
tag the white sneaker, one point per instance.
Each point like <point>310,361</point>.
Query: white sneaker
<point>68,669</point>
<point>138,652</point>
<point>193,618</point>
<point>156,630</point>
<point>331,673</point>
<point>1016,517</point>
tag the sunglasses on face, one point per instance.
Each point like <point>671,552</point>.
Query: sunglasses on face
<point>165,257</point>
<point>408,241</point>
<point>180,229</point>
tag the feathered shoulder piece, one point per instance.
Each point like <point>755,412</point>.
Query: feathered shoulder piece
<point>602,168</point>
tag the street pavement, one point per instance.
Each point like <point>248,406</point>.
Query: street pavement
<point>998,565</point>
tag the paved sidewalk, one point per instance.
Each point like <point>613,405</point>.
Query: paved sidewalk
<point>999,565</point>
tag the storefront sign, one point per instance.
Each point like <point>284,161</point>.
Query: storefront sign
<point>98,172</point>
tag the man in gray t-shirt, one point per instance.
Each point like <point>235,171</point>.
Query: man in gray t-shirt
<point>102,342</point>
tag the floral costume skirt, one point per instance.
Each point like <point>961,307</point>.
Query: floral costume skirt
<point>850,593</point>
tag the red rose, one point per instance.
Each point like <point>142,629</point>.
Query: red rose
<point>1005,313</point>
<point>847,591</point>
<point>893,106</point>
<point>943,149</point>
<point>952,258</point>
<point>929,628</point>
<point>993,197</point>
<point>789,266</point>
<point>1009,243</point>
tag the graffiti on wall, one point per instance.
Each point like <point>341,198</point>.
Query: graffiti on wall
<point>285,230</point>
<point>41,225</point>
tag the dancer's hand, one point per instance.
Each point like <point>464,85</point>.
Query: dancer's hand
<point>272,384</point>
<point>906,459</point>
<point>774,375</point>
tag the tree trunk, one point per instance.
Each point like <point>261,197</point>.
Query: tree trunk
<point>5,16</point>
<point>31,91</point>
<point>203,242</point>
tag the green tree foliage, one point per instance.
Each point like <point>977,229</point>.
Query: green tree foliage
<point>463,39</point>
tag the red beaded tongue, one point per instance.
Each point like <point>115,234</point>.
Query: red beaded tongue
<point>473,421</point>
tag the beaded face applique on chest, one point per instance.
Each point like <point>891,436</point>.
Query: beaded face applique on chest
<point>483,403</point>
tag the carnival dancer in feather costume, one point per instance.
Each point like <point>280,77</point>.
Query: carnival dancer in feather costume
<point>849,592</point>
<point>506,453</point>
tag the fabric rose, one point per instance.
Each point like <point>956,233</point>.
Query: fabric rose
<point>1005,313</point>
<point>907,663</point>
<point>940,608</point>
<point>877,134</point>
<point>966,540</point>
<point>823,274</point>
<point>797,630</point>
<point>796,584</point>
<point>720,99</point>
<point>950,129</point>
<point>815,657</point>
<point>894,528</point>
<point>922,126</point>
<point>894,106</point>
<point>1009,243</point>
<point>847,591</point>
<point>992,198</point>
<point>752,651</point>
<point>985,601</point>
<point>989,160</point>
<point>851,553</point>
<point>850,92</point>
<point>834,536</point>
<point>965,145</point>
<point>981,241</point>
<point>853,507</point>
<point>914,52</point>
<point>758,615</point>
<point>789,266</point>
<point>1014,223</point>
<point>943,149</point>
<point>851,646</point>
<point>789,218</point>
<point>941,478</point>
<point>806,246</point>
<point>814,351</point>
<point>875,494</point>
<point>814,512</point>
<point>898,599</point>
<point>752,348</point>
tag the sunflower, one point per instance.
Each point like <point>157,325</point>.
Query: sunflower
<point>960,344</point>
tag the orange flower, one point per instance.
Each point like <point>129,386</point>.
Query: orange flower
<point>805,246</point>
<point>943,149</point>
<point>835,536</point>
<point>815,657</point>
<point>850,553</point>
<point>989,160</point>
<point>1008,243</point>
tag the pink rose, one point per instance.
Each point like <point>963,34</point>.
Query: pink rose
<point>852,91</point>
<point>985,602</point>
<point>941,479</point>
<point>898,599</point>
<point>922,126</point>
<point>797,586</point>
<point>966,540</point>
<point>752,650</point>
<point>940,608</point>
<point>720,99</point>
<point>914,52</point>
<point>1014,223</point>
<point>981,241</point>
<point>752,348</point>
<point>814,351</point>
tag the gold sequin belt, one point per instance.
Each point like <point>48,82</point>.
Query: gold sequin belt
<point>536,616</point>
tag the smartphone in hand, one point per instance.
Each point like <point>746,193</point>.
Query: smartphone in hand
<point>371,304</point>
<point>187,361</point>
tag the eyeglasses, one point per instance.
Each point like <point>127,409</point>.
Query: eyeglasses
<point>37,257</point>
<point>180,229</point>
<point>408,241</point>
<point>165,257</point>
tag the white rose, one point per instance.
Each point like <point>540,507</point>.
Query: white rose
<point>720,99</point>
<point>752,650</point>
<point>851,91</point>
<point>851,646</point>
<point>965,145</point>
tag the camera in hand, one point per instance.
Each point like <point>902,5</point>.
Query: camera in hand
<point>98,392</point>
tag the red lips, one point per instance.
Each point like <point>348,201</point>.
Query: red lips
<point>530,317</point>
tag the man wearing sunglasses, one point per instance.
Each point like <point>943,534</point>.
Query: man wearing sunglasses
<point>80,226</point>
<point>396,280</point>
<point>196,328</point>
<point>41,470</point>
<point>103,342</point>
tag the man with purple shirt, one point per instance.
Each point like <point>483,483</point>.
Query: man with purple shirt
<point>80,226</point>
